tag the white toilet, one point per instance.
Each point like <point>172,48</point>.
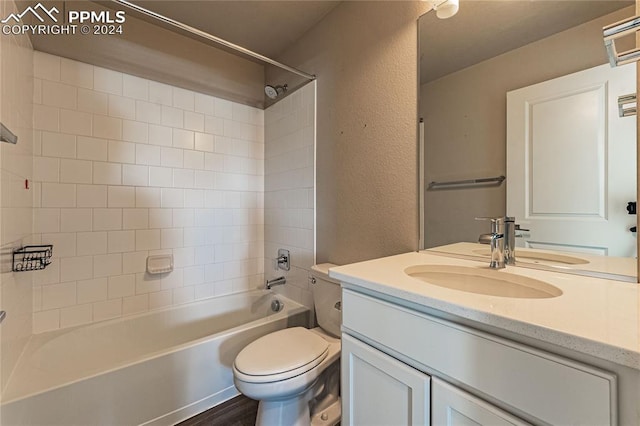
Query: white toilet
<point>295,372</point>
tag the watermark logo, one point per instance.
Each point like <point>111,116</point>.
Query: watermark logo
<point>83,22</point>
<point>33,11</point>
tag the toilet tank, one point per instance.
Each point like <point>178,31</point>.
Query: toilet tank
<point>327,299</point>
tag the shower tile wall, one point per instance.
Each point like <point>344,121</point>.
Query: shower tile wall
<point>16,112</point>
<point>289,189</point>
<point>127,167</point>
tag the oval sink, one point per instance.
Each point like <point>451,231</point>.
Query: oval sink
<point>539,257</point>
<point>483,281</point>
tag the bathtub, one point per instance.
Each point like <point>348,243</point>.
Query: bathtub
<point>156,368</point>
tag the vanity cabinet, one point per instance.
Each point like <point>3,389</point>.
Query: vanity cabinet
<point>404,366</point>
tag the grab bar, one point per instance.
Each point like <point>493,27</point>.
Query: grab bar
<point>7,135</point>
<point>617,30</point>
<point>469,182</point>
<point>624,100</point>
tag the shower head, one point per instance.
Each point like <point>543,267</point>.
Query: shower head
<point>274,91</point>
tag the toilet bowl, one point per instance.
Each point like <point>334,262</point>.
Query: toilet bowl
<point>295,372</point>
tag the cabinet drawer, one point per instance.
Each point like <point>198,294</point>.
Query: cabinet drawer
<point>555,390</point>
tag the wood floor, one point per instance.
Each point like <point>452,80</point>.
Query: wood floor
<point>239,411</point>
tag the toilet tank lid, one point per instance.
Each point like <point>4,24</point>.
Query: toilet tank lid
<point>322,268</point>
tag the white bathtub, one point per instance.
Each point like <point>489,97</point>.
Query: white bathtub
<point>157,368</point>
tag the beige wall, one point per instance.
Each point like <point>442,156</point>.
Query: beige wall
<point>364,56</point>
<point>465,124</point>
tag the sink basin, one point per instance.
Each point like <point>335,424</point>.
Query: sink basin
<point>539,257</point>
<point>483,281</point>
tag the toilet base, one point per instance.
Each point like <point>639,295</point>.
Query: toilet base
<point>294,412</point>
<point>330,416</point>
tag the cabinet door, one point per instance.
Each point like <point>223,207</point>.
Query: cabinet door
<point>451,406</point>
<point>380,390</point>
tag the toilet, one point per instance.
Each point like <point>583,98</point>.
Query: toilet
<point>295,372</point>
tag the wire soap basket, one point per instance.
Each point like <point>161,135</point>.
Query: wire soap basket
<point>32,258</point>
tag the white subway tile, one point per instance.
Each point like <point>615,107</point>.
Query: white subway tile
<point>135,87</point>
<point>214,125</point>
<point>91,195</point>
<point>93,290</point>
<point>183,99</point>
<point>183,218</point>
<point>183,178</point>
<point>193,275</point>
<point>172,198</point>
<point>214,162</point>
<point>107,265</point>
<point>204,291</point>
<point>135,175</point>
<point>107,309</point>
<point>135,304</point>
<point>147,197</point>
<point>37,195</point>
<point>107,127</point>
<point>223,108</point>
<point>122,107</point>
<point>204,104</point>
<point>108,81</point>
<point>63,243</point>
<point>76,315</point>
<point>75,122</point>
<point>50,275</point>
<point>58,95</point>
<point>146,283</point>
<point>160,93</point>
<point>122,286</point>
<point>107,173</point>
<point>172,157</point>
<point>37,299</point>
<point>76,73</point>
<point>160,135</point>
<point>160,218</point>
<point>134,262</point>
<point>75,220</point>
<point>160,176</point>
<point>37,91</point>
<point>45,66</point>
<point>172,117</point>
<point>90,243</point>
<point>46,321</point>
<point>91,148</point>
<point>194,198</point>
<point>172,238</point>
<point>173,279</point>
<point>58,195</point>
<point>183,139</point>
<point>46,118</point>
<point>204,180</point>
<point>147,155</point>
<point>194,121</point>
<point>46,169</point>
<point>148,239</point>
<point>121,241</point>
<point>134,131</point>
<point>107,219</point>
<point>122,152</point>
<point>194,160</point>
<point>135,218</point>
<point>75,269</point>
<point>183,295</point>
<point>121,196</point>
<point>92,102</point>
<point>75,171</point>
<point>46,220</point>
<point>160,299</point>
<point>194,237</point>
<point>58,145</point>
<point>148,112</point>
<point>204,142</point>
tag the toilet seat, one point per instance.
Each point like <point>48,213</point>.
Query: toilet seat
<point>280,356</point>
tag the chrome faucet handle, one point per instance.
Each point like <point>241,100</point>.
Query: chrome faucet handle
<point>496,222</point>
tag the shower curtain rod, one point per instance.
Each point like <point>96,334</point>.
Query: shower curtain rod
<point>213,38</point>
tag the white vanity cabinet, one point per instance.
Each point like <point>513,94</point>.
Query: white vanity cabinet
<point>401,366</point>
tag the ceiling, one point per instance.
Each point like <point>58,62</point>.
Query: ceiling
<point>483,29</point>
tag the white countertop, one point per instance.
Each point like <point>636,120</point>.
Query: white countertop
<point>594,316</point>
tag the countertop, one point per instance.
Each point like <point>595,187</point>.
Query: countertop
<point>594,316</point>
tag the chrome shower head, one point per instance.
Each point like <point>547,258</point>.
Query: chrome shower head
<point>274,91</point>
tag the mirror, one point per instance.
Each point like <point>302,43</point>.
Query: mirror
<point>468,64</point>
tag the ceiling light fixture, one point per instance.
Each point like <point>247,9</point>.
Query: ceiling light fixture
<point>445,9</point>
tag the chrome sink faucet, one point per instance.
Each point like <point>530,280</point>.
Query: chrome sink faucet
<point>501,251</point>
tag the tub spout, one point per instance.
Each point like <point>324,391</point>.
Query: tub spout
<point>276,281</point>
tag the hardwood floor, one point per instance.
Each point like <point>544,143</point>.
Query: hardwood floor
<point>239,411</point>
